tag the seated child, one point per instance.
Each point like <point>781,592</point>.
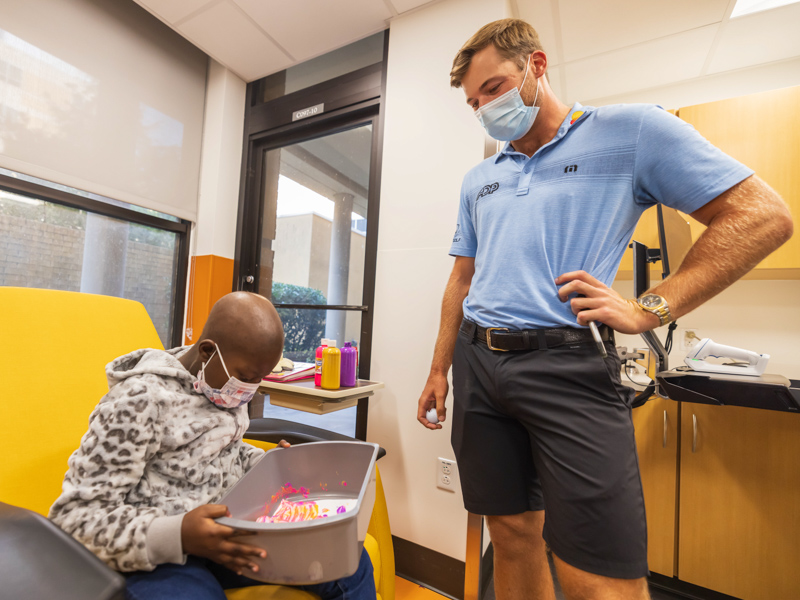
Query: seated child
<point>163,446</point>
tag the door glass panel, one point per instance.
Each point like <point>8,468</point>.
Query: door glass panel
<point>305,327</point>
<point>342,421</point>
<point>315,218</point>
<point>313,241</point>
<point>296,324</point>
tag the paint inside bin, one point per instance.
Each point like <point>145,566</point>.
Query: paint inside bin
<point>306,551</point>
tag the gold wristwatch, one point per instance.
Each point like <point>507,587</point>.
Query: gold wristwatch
<point>657,305</point>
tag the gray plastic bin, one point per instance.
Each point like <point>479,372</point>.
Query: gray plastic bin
<point>309,551</point>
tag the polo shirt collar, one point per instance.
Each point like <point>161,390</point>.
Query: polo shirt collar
<point>573,116</point>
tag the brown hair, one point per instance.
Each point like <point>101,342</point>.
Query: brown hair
<point>514,39</point>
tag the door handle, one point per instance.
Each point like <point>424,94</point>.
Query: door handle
<point>694,433</point>
<point>664,442</point>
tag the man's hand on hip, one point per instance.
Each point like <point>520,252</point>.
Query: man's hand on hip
<point>598,302</point>
<point>433,396</point>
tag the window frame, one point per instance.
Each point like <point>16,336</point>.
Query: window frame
<point>180,227</point>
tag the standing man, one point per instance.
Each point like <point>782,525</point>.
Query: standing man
<point>542,424</point>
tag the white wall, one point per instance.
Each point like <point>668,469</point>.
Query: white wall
<point>220,163</point>
<point>431,140</point>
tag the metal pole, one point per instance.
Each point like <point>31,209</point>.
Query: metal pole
<point>339,265</point>
<point>472,575</point>
<point>105,249</point>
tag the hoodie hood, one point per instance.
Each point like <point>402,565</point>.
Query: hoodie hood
<point>164,363</point>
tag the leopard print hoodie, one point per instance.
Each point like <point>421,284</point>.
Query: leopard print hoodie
<point>155,449</point>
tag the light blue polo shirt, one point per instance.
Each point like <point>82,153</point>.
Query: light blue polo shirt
<point>574,205</point>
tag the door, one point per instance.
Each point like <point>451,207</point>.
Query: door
<point>316,202</point>
<point>657,424</point>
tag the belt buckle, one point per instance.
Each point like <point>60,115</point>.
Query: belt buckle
<point>489,331</point>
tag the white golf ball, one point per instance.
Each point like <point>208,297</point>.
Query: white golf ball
<point>432,416</point>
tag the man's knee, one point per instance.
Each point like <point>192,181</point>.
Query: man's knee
<point>582,585</point>
<point>513,532</point>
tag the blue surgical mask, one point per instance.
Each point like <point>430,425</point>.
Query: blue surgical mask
<point>508,118</point>
<point>233,394</point>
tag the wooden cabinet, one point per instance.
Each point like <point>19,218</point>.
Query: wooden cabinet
<point>656,424</point>
<point>723,493</point>
<point>734,474</point>
<point>761,131</point>
<point>739,523</point>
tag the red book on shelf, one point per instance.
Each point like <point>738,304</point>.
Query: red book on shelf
<point>300,371</point>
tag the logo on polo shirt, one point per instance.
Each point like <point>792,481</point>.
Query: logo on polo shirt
<point>488,189</point>
<point>571,169</point>
<point>456,237</point>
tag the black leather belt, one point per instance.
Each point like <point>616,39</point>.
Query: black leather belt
<point>504,340</point>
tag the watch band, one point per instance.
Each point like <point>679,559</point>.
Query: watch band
<point>662,311</point>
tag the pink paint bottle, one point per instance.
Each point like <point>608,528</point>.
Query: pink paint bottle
<point>318,362</point>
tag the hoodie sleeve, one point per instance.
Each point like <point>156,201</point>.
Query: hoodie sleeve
<point>94,507</point>
<point>249,455</point>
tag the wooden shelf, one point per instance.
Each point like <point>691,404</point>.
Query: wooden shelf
<point>305,396</point>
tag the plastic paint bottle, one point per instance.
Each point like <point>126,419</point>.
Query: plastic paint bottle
<point>331,366</point>
<point>318,362</point>
<point>348,376</point>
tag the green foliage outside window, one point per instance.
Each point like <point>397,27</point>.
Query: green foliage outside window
<point>303,328</point>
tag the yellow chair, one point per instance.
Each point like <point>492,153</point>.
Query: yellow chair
<point>54,348</point>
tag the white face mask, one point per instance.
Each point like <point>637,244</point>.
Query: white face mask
<point>507,117</point>
<point>234,393</point>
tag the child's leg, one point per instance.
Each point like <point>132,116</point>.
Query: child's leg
<point>192,581</point>
<point>359,586</point>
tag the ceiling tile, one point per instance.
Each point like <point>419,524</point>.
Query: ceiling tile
<point>309,28</point>
<point>405,5</point>
<point>225,33</point>
<point>589,27</point>
<point>540,15</point>
<point>646,65</point>
<point>758,38</point>
<point>173,11</point>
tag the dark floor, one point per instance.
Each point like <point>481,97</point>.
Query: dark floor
<point>655,594</point>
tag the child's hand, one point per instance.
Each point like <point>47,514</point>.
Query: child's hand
<point>284,444</point>
<point>202,536</point>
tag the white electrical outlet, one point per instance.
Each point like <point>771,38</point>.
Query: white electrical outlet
<point>688,338</point>
<point>446,474</point>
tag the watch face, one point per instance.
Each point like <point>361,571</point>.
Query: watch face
<point>650,300</point>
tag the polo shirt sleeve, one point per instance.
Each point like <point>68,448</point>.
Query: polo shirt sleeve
<point>678,167</point>
<point>465,242</point>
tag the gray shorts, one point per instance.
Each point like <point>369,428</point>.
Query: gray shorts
<point>551,429</point>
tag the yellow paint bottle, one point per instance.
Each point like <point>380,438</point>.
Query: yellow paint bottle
<point>331,366</point>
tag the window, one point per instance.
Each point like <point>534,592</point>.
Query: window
<point>57,238</point>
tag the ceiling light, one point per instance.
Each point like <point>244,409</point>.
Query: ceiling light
<point>746,7</point>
